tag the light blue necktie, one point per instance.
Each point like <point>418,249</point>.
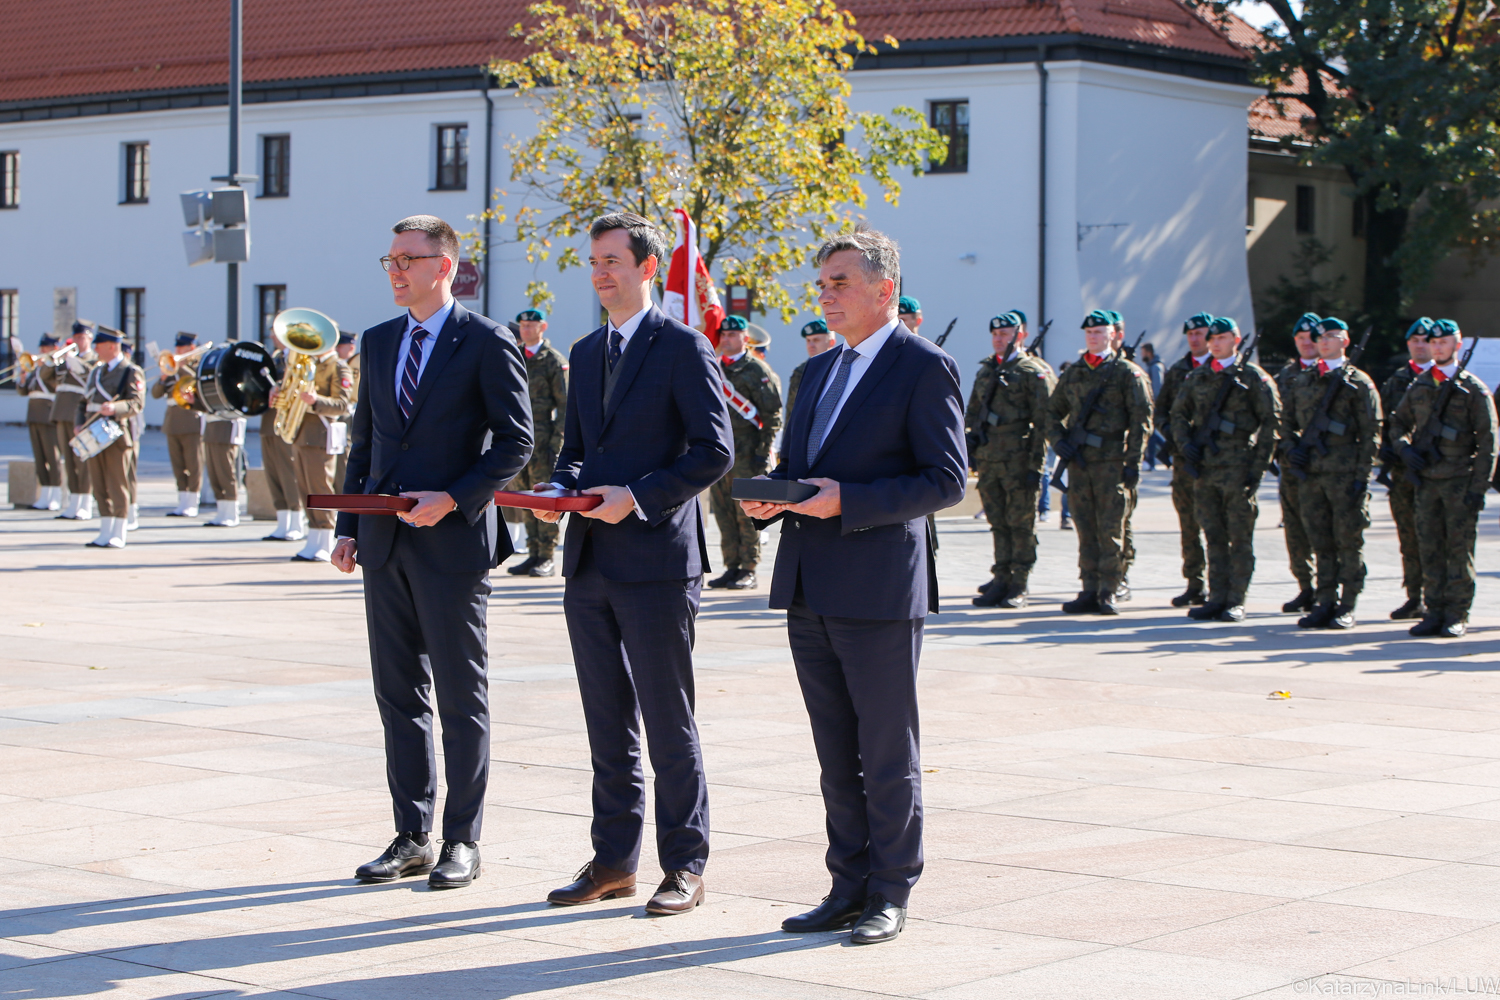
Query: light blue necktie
<point>829,403</point>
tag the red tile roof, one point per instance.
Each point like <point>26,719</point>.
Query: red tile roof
<point>66,48</point>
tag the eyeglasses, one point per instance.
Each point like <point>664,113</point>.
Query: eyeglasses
<point>403,261</point>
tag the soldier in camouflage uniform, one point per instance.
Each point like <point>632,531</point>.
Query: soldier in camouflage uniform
<point>1194,562</point>
<point>1133,499</point>
<point>1298,548</point>
<point>1006,431</point>
<point>547,381</point>
<point>1333,467</point>
<point>1454,468</point>
<point>1399,489</point>
<point>817,338</point>
<point>1230,460</point>
<point>1102,450</point>
<point>755,428</point>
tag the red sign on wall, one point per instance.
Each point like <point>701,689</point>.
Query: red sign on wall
<point>467,281</point>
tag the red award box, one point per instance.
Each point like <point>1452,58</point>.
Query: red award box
<point>548,499</point>
<point>361,503</point>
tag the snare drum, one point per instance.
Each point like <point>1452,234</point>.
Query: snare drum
<point>94,436</point>
<point>236,380</point>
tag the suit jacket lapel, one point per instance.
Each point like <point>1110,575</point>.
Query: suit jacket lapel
<point>879,365</point>
<point>631,361</point>
<point>448,338</point>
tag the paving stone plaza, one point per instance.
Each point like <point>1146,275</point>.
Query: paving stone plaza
<point>191,769</point>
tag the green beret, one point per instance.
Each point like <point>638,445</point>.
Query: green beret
<point>1421,328</point>
<point>1004,320</point>
<point>1307,322</point>
<point>1444,328</point>
<point>1223,324</point>
<point>733,322</point>
<point>908,305</point>
<point>1099,317</point>
<point>1332,323</point>
<point>531,315</point>
<point>816,328</point>
<point>1199,320</point>
<point>1115,317</point>
<point>1019,315</point>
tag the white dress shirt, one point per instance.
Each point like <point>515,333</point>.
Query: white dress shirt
<point>434,326</point>
<point>867,349</point>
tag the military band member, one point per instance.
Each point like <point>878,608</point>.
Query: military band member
<point>115,391</point>
<point>1335,493</point>
<point>71,374</point>
<point>39,398</point>
<point>1229,438</point>
<point>222,441</point>
<point>1444,431</point>
<point>278,460</point>
<point>1400,492</point>
<point>348,353</point>
<point>1194,562</point>
<point>1298,549</point>
<point>1101,438</point>
<point>316,446</point>
<point>757,342</point>
<point>184,430</point>
<point>547,382</point>
<point>1005,426</point>
<point>817,339</point>
<point>755,417</point>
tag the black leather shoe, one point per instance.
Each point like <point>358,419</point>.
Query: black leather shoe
<point>1343,617</point>
<point>523,567</point>
<point>1411,609</point>
<point>831,914</point>
<point>543,567</point>
<point>1302,602</point>
<point>1207,612</point>
<point>1231,613</point>
<point>457,867</point>
<point>1188,598</point>
<point>1453,628</point>
<point>880,921</point>
<point>746,580</point>
<point>1105,603</point>
<point>404,857</point>
<point>1086,603</point>
<point>724,579</point>
<point>1426,628</point>
<point>1318,617</point>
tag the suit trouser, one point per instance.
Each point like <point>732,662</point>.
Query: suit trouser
<point>633,651</point>
<point>427,638</point>
<point>315,469</point>
<point>859,682</point>
<point>221,459</point>
<point>1299,550</point>
<point>77,470</point>
<point>1403,498</point>
<point>281,474</point>
<point>44,451</point>
<point>185,453</point>
<point>1194,561</point>
<point>109,471</point>
<point>1335,525</point>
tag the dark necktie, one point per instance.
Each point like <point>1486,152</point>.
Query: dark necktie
<point>615,340</point>
<point>829,403</point>
<point>411,371</point>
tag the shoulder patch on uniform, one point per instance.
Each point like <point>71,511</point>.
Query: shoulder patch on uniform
<point>565,366</point>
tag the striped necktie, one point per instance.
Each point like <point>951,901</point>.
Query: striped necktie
<point>829,403</point>
<point>616,338</point>
<point>411,372</point>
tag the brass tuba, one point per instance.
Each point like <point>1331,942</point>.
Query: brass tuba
<point>306,333</point>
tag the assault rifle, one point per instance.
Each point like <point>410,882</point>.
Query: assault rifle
<point>1035,347</point>
<point>1425,444</point>
<point>944,338</point>
<point>1130,351</point>
<point>1206,436</point>
<point>1311,438</point>
<point>1078,434</point>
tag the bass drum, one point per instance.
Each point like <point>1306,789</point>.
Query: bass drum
<point>236,380</point>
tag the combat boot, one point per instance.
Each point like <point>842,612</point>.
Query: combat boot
<point>1233,612</point>
<point>1302,602</point>
<point>523,567</point>
<point>1411,609</point>
<point>1454,626</point>
<point>745,579</point>
<point>1343,617</point>
<point>1428,627</point>
<point>1015,595</point>
<point>992,594</point>
<point>1207,612</point>
<point>1106,603</point>
<point>730,574</point>
<point>986,586</point>
<point>1188,598</point>
<point>1086,603</point>
<point>1319,617</point>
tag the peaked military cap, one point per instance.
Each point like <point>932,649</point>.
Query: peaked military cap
<point>1223,324</point>
<point>82,326</point>
<point>185,339</point>
<point>908,305</point>
<point>1444,328</point>
<point>814,328</point>
<point>733,322</point>
<point>105,335</point>
<point>756,337</point>
<point>1099,317</point>
<point>48,340</point>
<point>532,315</point>
<point>1198,320</point>
<point>345,337</point>
<point>1421,328</point>
<point>1308,322</point>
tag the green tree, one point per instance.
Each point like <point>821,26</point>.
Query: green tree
<point>1297,290</point>
<point>735,111</point>
<point>1404,95</point>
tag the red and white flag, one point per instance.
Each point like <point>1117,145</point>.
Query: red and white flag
<point>691,297</point>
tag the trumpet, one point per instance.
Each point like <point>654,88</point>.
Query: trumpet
<point>185,368</point>
<point>26,363</point>
<point>307,334</point>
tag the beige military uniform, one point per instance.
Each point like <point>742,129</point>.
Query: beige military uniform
<point>276,457</point>
<point>184,431</point>
<point>111,470</point>
<point>341,460</point>
<point>333,385</point>
<point>222,440</point>
<point>44,447</point>
<point>69,389</point>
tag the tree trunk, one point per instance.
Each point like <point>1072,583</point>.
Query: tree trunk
<point>1384,289</point>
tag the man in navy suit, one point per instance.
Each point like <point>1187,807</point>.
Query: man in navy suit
<point>436,381</point>
<point>878,428</point>
<point>648,430</point>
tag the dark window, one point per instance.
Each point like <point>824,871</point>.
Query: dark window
<point>951,118</point>
<point>276,166</point>
<point>10,327</point>
<point>133,317</point>
<point>137,172</point>
<point>1358,223</point>
<point>1306,208</point>
<point>453,157</point>
<point>272,300</point>
<point>10,179</point>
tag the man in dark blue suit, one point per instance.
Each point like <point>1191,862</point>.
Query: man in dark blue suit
<point>878,428</point>
<point>436,381</point>
<point>648,430</point>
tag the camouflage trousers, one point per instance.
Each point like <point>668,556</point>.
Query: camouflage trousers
<point>1446,531</point>
<point>1335,524</point>
<point>1127,546</point>
<point>541,537</point>
<point>1194,562</point>
<point>1298,548</point>
<point>1097,500</point>
<point>1403,499</point>
<point>1226,509</point>
<point>1009,499</point>
<point>738,540</point>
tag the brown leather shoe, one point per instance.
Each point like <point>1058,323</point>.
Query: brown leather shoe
<point>679,892</point>
<point>594,882</point>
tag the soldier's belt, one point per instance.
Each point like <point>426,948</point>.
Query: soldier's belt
<point>76,390</point>
<point>39,394</point>
<point>1015,426</point>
